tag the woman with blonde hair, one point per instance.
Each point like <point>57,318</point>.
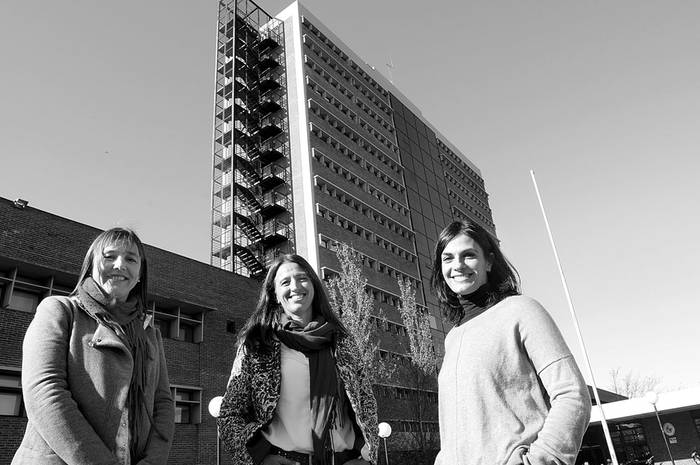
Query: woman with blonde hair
<point>94,378</point>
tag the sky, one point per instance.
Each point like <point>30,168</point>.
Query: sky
<point>106,119</point>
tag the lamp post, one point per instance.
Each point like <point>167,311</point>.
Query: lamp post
<point>214,409</point>
<point>652,397</point>
<point>385,432</point>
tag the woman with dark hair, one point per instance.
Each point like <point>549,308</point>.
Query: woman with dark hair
<point>94,378</point>
<point>509,390</point>
<point>297,393</point>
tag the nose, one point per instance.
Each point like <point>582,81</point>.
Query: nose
<point>118,262</point>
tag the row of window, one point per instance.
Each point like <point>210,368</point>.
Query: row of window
<point>336,66</point>
<point>400,392</point>
<point>340,106</point>
<point>457,198</point>
<point>324,74</point>
<point>359,160</point>
<point>468,192</point>
<point>354,136</point>
<point>18,292</point>
<point>457,160</point>
<point>330,98</point>
<point>359,182</point>
<point>187,399</point>
<point>364,233</point>
<point>345,150</point>
<point>344,57</point>
<point>369,262</point>
<point>454,167</point>
<point>359,206</point>
<point>375,116</point>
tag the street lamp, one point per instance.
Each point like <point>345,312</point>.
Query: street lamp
<point>214,410</point>
<point>385,432</point>
<point>652,397</point>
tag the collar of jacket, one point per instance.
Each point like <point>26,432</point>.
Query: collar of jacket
<point>103,335</point>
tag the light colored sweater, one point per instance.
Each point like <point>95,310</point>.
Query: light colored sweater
<point>491,397</point>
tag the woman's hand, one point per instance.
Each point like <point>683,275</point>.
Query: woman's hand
<point>277,460</point>
<point>357,462</point>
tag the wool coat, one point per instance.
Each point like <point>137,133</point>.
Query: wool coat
<point>254,391</point>
<point>75,381</point>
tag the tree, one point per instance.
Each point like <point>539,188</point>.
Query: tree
<point>350,299</point>
<point>631,384</point>
<point>423,367</point>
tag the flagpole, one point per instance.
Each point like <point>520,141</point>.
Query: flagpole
<point>603,421</point>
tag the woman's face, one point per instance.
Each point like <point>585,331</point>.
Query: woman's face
<point>464,265</point>
<point>295,292</point>
<point>117,269</point>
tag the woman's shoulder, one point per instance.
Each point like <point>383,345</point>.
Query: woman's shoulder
<point>57,306</point>
<point>528,312</point>
<point>522,303</point>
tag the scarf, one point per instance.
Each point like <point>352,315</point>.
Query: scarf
<point>474,304</point>
<point>315,340</point>
<point>126,320</point>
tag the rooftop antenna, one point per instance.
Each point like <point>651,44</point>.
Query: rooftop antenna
<point>389,67</point>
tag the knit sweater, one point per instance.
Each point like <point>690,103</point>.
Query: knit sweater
<point>510,391</point>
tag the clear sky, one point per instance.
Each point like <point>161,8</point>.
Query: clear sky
<point>106,109</point>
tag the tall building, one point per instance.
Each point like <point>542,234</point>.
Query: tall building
<point>313,147</point>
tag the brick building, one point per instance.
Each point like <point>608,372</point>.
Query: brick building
<point>198,308</point>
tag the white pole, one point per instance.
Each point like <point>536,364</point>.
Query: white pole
<point>603,422</point>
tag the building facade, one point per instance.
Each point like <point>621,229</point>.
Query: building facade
<point>198,308</point>
<point>312,147</point>
<point>637,433</point>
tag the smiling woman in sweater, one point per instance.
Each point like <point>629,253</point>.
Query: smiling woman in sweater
<point>509,390</point>
<point>297,393</point>
<point>94,378</point>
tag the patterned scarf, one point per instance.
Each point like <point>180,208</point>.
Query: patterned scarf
<point>315,340</point>
<point>126,320</point>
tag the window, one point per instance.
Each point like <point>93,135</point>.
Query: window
<point>11,394</point>
<point>188,404</point>
<point>696,418</point>
<point>630,441</point>
<point>178,322</point>
<point>24,300</point>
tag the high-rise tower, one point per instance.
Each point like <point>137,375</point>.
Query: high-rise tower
<point>313,147</point>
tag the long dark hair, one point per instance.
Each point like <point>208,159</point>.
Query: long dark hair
<point>117,236</point>
<point>257,333</point>
<point>502,280</point>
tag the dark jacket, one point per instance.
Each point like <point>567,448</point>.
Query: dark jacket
<point>254,390</point>
<point>75,381</point>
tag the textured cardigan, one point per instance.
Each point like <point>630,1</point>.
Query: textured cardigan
<point>510,391</point>
<point>254,390</point>
<point>75,382</point>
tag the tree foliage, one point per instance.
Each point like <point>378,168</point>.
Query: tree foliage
<point>350,299</point>
<point>630,384</point>
<point>417,323</point>
<point>424,367</point>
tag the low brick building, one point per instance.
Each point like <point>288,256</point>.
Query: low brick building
<point>198,308</point>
